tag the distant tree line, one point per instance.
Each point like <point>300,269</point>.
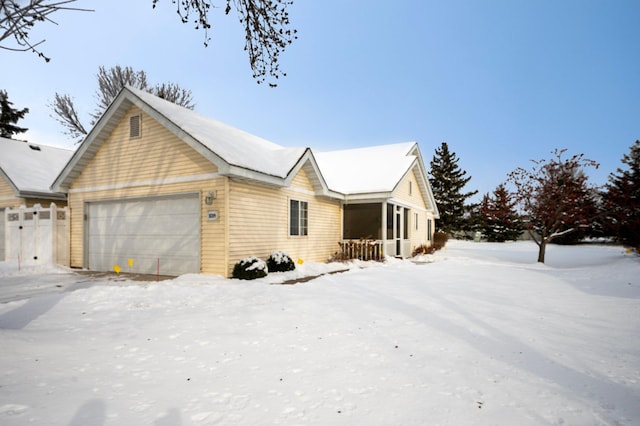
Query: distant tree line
<point>551,202</point>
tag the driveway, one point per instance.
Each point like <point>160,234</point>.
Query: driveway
<point>29,282</point>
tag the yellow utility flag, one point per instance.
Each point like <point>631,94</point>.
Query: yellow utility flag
<point>116,268</point>
<point>300,261</point>
<point>130,263</point>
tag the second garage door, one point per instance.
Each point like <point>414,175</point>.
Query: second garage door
<point>143,234</point>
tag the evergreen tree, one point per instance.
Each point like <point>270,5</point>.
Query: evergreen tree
<point>499,220</point>
<point>447,182</point>
<point>9,116</point>
<point>622,199</point>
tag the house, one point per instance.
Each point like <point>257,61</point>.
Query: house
<point>27,171</point>
<point>158,188</point>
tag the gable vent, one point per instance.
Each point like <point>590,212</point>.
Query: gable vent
<point>134,126</point>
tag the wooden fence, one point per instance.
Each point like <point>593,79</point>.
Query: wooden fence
<point>361,249</point>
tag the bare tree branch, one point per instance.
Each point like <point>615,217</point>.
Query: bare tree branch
<point>110,83</point>
<point>17,19</point>
<point>67,115</point>
<point>174,93</point>
<point>267,30</point>
<point>267,34</point>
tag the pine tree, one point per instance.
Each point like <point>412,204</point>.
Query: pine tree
<point>499,219</point>
<point>9,116</point>
<point>447,181</point>
<point>622,199</point>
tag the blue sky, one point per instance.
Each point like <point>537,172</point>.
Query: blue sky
<point>501,81</point>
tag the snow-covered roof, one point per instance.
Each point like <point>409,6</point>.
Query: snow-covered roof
<point>30,169</point>
<point>376,169</point>
<point>234,146</point>
<point>361,172</point>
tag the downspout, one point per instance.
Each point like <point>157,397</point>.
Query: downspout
<point>384,229</point>
<point>227,224</point>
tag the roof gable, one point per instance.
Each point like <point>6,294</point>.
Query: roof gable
<point>30,168</point>
<point>236,147</point>
<point>374,169</point>
<point>235,152</point>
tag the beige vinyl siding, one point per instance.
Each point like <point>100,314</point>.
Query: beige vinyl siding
<point>8,197</point>
<point>157,154</point>
<point>301,181</point>
<point>259,222</point>
<point>130,164</point>
<point>408,192</point>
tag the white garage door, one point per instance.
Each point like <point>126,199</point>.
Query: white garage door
<point>151,233</point>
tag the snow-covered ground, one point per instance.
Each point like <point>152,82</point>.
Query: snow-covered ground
<point>477,334</point>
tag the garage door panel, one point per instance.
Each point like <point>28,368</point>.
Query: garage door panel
<point>150,230</point>
<point>142,245</point>
<point>149,226</point>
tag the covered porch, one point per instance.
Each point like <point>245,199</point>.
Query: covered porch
<point>374,230</point>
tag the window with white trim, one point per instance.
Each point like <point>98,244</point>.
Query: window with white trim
<point>298,218</point>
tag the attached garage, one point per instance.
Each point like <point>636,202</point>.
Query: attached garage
<point>146,235</point>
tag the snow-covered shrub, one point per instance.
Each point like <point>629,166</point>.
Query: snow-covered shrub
<point>280,261</point>
<point>250,268</point>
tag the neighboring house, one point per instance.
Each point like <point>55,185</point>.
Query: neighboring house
<point>156,187</point>
<point>27,171</point>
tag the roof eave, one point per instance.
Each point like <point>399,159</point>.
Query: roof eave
<point>368,196</point>
<point>59,196</point>
<point>13,186</point>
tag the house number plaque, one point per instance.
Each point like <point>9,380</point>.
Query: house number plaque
<point>212,215</point>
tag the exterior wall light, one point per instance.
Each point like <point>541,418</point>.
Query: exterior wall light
<point>208,199</point>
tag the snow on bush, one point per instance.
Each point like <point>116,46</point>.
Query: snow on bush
<point>279,261</point>
<point>250,268</point>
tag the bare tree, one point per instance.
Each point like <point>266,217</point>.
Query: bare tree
<point>110,83</point>
<point>67,115</point>
<point>266,24</point>
<point>555,197</point>
<point>17,19</point>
